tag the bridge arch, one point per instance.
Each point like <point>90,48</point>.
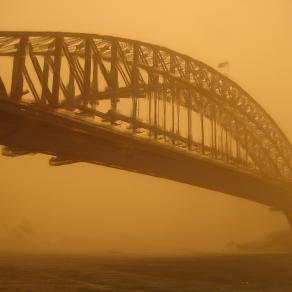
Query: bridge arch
<point>146,90</point>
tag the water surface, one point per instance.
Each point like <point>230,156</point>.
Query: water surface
<point>272,272</point>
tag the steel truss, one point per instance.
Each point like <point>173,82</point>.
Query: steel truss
<point>170,97</point>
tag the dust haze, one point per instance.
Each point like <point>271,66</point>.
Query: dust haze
<point>92,209</point>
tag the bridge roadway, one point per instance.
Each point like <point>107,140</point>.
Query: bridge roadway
<point>29,129</point>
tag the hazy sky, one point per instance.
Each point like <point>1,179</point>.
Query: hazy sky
<point>91,207</point>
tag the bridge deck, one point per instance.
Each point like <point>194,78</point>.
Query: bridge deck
<point>33,130</point>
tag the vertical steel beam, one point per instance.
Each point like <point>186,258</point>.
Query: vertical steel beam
<point>164,92</point>
<point>190,134</point>
<point>134,82</point>
<point>226,144</point>
<point>189,105</point>
<point>150,79</point>
<point>71,84</point>
<point>87,71</point>
<point>246,148</point>
<point>238,155</point>
<point>18,66</point>
<point>172,71</point>
<point>215,132</point>
<point>94,75</point>
<point>114,82</point>
<point>172,113</point>
<point>212,134</point>
<point>230,143</point>
<point>57,69</point>
<point>150,110</point>
<point>45,79</point>
<point>178,93</point>
<point>155,81</point>
<point>202,128</point>
<point>222,156</point>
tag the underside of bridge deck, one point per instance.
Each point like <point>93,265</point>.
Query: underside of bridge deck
<point>27,130</point>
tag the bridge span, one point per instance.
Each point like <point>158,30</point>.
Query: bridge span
<point>139,107</point>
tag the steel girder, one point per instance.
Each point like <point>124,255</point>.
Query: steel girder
<point>80,71</point>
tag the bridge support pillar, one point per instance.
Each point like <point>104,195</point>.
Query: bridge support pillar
<point>288,213</point>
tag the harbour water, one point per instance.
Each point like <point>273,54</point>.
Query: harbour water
<point>244,272</point>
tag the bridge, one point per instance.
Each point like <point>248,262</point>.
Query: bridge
<point>139,107</point>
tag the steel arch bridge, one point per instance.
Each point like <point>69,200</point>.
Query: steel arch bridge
<point>140,107</point>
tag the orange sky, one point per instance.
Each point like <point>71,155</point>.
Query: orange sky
<point>89,207</point>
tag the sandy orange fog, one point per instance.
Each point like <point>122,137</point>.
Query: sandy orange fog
<point>90,208</point>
